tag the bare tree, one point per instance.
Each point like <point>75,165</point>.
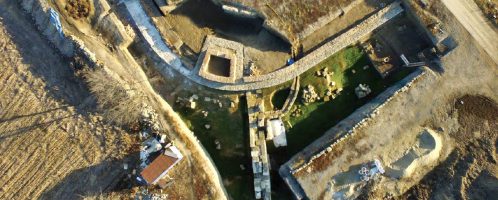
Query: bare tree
<point>119,101</point>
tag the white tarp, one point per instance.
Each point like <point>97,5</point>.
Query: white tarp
<point>277,129</point>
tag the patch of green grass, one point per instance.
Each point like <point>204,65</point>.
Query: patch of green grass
<point>320,116</point>
<point>228,127</point>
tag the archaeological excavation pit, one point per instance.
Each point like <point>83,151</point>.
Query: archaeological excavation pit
<point>219,66</point>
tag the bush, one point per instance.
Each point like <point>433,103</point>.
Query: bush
<point>119,101</point>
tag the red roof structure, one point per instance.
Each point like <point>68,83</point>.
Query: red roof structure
<point>161,165</point>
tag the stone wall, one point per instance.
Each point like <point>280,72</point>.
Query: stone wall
<point>167,60</point>
<point>420,25</point>
<point>324,20</point>
<point>110,26</point>
<point>342,131</point>
<point>222,48</point>
<point>328,49</point>
<point>39,11</point>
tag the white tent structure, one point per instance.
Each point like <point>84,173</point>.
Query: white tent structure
<point>276,129</point>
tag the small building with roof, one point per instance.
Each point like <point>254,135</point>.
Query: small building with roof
<point>160,166</point>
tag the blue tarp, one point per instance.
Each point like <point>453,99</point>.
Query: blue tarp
<point>290,61</point>
<point>55,21</point>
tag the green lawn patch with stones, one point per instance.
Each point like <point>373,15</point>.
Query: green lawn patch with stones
<point>228,127</point>
<point>318,117</point>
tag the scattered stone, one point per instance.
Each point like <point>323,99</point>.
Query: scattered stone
<point>205,113</point>
<point>339,90</point>
<point>329,92</point>
<point>296,112</point>
<point>440,129</point>
<point>220,104</point>
<point>232,104</point>
<point>366,67</point>
<point>191,104</point>
<point>362,91</point>
<point>195,97</point>
<point>218,144</point>
<point>332,83</point>
<point>207,126</point>
<point>125,166</point>
<point>353,71</point>
<point>242,167</point>
<point>207,99</point>
<point>309,94</point>
<point>251,69</point>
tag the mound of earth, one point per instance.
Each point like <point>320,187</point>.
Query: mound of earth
<point>471,170</point>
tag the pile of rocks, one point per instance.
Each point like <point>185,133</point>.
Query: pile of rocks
<point>362,90</point>
<point>190,102</point>
<point>297,112</point>
<point>215,101</point>
<point>148,120</point>
<point>251,70</point>
<point>309,95</point>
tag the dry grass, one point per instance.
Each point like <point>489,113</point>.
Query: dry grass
<point>293,15</point>
<point>120,103</point>
<point>490,9</point>
<point>78,9</point>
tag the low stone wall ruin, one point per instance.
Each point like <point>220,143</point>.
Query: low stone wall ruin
<point>40,13</point>
<point>342,131</point>
<point>168,61</point>
<point>324,20</point>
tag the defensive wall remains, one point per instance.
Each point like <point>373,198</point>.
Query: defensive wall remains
<point>342,131</point>
<point>161,53</point>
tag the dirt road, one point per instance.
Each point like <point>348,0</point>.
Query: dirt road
<point>471,17</point>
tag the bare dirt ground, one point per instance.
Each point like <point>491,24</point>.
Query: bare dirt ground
<point>468,69</point>
<point>50,146</point>
<point>469,15</point>
<point>196,19</point>
<point>472,166</point>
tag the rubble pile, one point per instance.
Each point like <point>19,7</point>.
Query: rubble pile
<point>251,70</point>
<point>362,90</point>
<point>297,111</point>
<point>309,95</point>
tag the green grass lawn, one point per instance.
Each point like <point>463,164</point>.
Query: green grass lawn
<point>227,126</point>
<point>320,116</point>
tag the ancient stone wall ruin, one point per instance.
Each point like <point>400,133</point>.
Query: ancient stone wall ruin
<point>342,131</point>
<point>40,12</point>
<point>168,60</point>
